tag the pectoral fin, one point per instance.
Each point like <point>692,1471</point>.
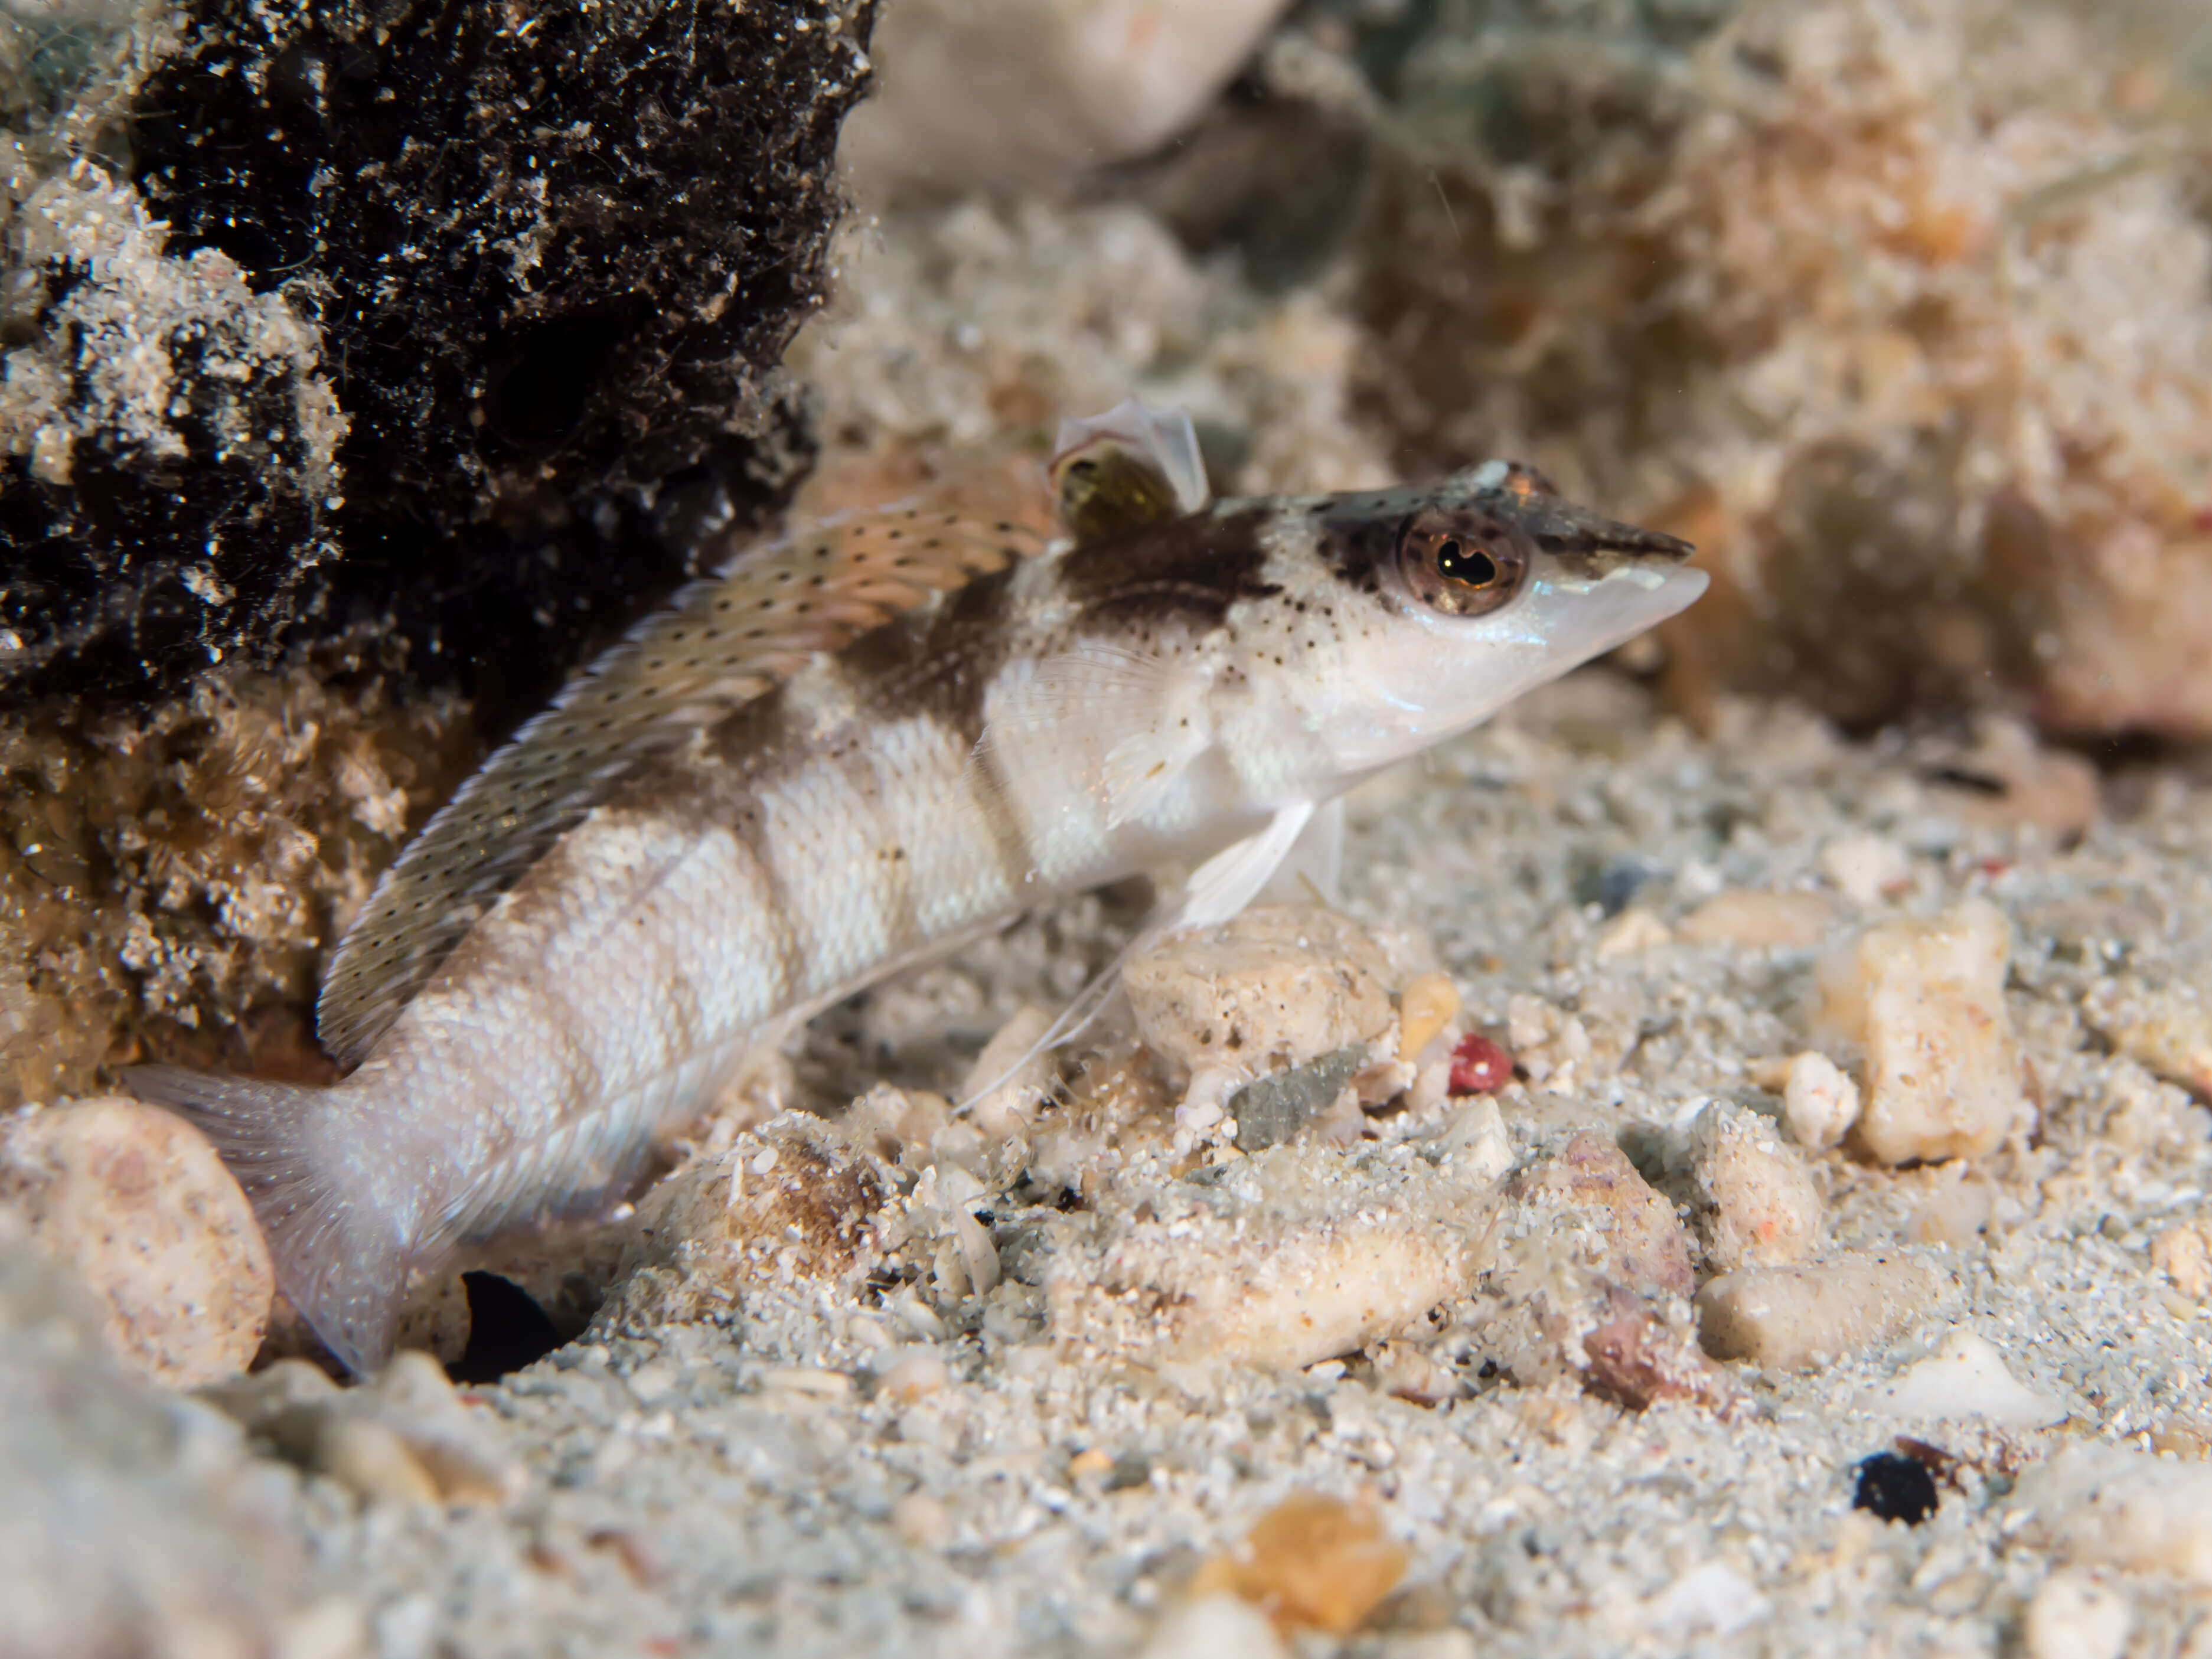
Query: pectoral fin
<point>1135,718</point>
<point>1232,878</point>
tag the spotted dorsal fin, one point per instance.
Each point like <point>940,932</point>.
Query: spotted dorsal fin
<point>1125,470</point>
<point>722,643</point>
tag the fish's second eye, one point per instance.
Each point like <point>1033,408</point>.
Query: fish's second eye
<point>1464,563</point>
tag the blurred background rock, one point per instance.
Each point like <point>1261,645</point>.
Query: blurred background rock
<point>365,373</point>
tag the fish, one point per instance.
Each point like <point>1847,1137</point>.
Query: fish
<point>852,749</point>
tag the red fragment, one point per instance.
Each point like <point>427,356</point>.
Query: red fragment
<point>1480,1067</point>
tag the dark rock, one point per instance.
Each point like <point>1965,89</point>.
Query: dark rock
<point>1272,1110</point>
<point>1892,1488</point>
<point>470,318</point>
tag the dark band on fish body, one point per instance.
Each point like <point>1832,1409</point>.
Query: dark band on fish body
<point>1358,536</point>
<point>1192,570</point>
<point>939,660</point>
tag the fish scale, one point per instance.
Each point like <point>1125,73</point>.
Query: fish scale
<point>720,829</point>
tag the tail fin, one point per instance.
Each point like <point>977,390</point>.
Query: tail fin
<point>341,1258</point>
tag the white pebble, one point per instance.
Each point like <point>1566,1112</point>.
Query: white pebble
<point>1713,1597</point>
<point>1011,1078</point>
<point>2076,1618</point>
<point>922,1522</point>
<point>1214,1627</point>
<point>370,1457</point>
<point>1966,1378</point>
<point>1759,920</point>
<point>1820,1102</point>
<point>1863,866</point>
<point>912,1374</point>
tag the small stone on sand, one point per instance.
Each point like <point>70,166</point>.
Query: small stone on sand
<point>1967,1378</point>
<point>1279,986</point>
<point>1313,1562</point>
<point>1764,1209</point>
<point>136,1200</point>
<point>1820,1102</point>
<point>1794,1318</point>
<point>2101,1505</point>
<point>1924,1001</point>
<point>1759,920</point>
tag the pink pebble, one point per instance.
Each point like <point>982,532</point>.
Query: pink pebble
<point>1480,1067</point>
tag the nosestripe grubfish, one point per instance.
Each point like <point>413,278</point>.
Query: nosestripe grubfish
<point>857,746</point>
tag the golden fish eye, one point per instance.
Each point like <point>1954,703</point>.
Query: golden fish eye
<point>1463,561</point>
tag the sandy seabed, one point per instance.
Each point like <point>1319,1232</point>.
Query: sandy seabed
<point>850,1444</point>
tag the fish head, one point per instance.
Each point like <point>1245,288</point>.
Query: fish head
<point>1445,603</point>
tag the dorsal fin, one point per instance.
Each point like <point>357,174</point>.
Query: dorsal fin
<point>722,643</point>
<point>1130,467</point>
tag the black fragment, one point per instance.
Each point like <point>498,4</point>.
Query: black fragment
<point>507,1330</point>
<point>1895,1488</point>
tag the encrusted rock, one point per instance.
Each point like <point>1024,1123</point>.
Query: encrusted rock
<point>1633,1356</point>
<point>1644,1246</point>
<point>792,1202</point>
<point>1280,1260</point>
<point>454,329</point>
<point>1779,305</point>
<point>2105,1506</point>
<point>1764,1208</point>
<point>1594,1278</point>
<point>1792,1318</point>
<point>136,1200</point>
<point>1925,1001</point>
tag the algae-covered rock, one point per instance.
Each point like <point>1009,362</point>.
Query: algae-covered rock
<point>424,345</point>
<point>417,318</point>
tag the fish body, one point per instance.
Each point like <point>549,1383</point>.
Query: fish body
<point>722,833</point>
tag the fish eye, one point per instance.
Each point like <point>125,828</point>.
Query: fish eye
<point>1463,563</point>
